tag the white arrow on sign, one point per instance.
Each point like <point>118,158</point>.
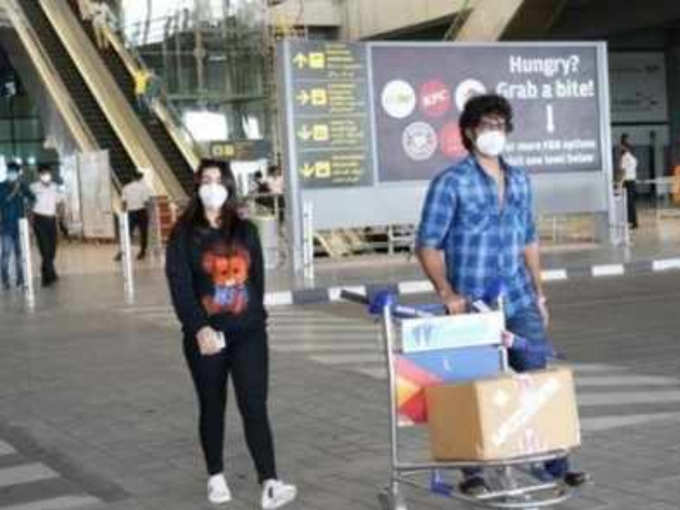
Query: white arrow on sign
<point>551,118</point>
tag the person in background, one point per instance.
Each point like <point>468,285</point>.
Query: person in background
<point>85,9</point>
<point>628,167</point>
<point>142,78</point>
<point>216,277</point>
<point>48,199</point>
<point>101,18</point>
<point>153,90</point>
<point>136,197</point>
<point>14,193</point>
<point>275,182</point>
<point>477,226</point>
<point>262,188</point>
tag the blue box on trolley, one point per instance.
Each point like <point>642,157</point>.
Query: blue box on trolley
<point>505,416</point>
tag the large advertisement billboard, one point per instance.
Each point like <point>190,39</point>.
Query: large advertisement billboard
<point>420,92</point>
<point>367,125</point>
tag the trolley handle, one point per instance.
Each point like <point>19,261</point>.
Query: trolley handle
<point>386,298</point>
<point>354,297</point>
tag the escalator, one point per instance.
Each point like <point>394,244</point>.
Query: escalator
<point>121,163</point>
<point>156,129</point>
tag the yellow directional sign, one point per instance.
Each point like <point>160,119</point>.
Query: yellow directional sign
<point>300,60</point>
<point>316,170</point>
<point>320,133</point>
<point>304,133</point>
<point>307,170</point>
<point>303,97</point>
<point>317,60</point>
<point>323,169</point>
<point>319,97</point>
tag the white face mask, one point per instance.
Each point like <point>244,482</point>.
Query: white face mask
<point>45,178</point>
<point>213,196</point>
<point>491,143</point>
<point>12,177</point>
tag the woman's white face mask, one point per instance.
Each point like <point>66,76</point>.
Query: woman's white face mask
<point>213,195</point>
<point>491,143</point>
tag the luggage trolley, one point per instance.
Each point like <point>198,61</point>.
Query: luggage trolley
<point>512,485</point>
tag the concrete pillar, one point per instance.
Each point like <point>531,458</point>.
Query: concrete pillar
<point>488,20</point>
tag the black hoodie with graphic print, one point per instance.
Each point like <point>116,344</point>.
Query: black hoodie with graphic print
<point>216,281</point>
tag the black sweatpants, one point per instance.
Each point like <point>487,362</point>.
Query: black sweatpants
<point>45,228</point>
<point>631,196</point>
<point>246,358</point>
<point>140,218</point>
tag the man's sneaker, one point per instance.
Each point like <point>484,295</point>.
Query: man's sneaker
<point>218,490</point>
<point>570,478</point>
<point>576,478</point>
<point>275,494</point>
<point>474,486</point>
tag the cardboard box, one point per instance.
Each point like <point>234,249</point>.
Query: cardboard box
<point>503,417</point>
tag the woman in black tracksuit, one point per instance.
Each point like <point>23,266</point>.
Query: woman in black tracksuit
<point>216,277</point>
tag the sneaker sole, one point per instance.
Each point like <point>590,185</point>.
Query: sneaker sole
<point>283,500</point>
<point>219,501</point>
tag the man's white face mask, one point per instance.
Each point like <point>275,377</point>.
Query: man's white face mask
<point>491,143</point>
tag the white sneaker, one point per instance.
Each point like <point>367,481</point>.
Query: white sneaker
<point>275,494</point>
<point>218,490</point>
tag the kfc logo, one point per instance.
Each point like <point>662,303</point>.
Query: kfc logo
<point>435,98</point>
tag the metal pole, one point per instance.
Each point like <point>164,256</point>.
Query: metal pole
<point>390,240</point>
<point>293,192</point>
<point>125,248</point>
<point>624,218</point>
<point>25,240</point>
<point>308,240</point>
<point>276,207</point>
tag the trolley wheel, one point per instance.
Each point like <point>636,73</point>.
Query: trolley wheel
<point>389,501</point>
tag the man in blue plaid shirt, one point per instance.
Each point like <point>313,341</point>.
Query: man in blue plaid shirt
<point>477,230</point>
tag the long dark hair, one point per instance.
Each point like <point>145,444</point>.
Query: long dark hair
<point>193,218</point>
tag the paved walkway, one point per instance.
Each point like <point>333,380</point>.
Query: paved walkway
<point>655,247</point>
<point>97,403</point>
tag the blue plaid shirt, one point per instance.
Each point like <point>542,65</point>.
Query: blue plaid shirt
<point>483,245</point>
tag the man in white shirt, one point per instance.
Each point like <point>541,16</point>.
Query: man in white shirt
<point>47,199</point>
<point>136,196</point>
<point>628,167</point>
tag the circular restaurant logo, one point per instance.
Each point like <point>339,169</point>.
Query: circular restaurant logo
<point>435,98</point>
<point>419,141</point>
<point>451,142</point>
<point>398,99</point>
<point>466,90</point>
